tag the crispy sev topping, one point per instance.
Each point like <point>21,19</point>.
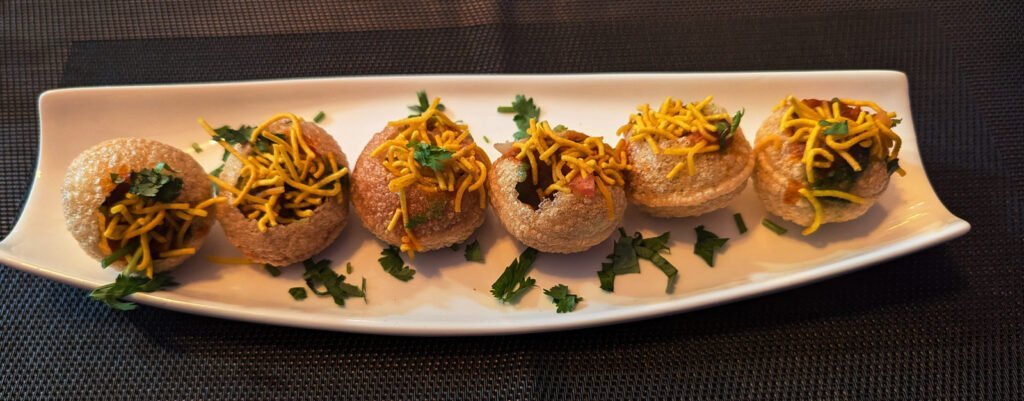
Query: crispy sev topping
<point>433,154</point>
<point>832,133</point>
<point>675,120</point>
<point>282,179</point>
<point>572,156</point>
<point>141,229</point>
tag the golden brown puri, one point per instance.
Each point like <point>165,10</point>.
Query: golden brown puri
<point>87,184</point>
<point>720,177</point>
<point>780,174</point>
<point>688,158</point>
<point>284,244</point>
<point>564,223</point>
<point>376,204</point>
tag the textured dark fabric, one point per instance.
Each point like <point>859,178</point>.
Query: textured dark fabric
<point>945,323</point>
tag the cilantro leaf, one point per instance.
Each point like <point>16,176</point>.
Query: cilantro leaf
<point>525,110</point>
<point>513,282</point>
<point>626,254</point>
<point>348,268</point>
<point>273,270</point>
<point>153,183</point>
<point>727,130</point>
<point>564,300</point>
<point>297,293</point>
<point>473,252</point>
<point>233,136</point>
<point>831,128</point>
<point>424,104</point>
<point>428,155</point>
<point>623,255</point>
<point>197,148</point>
<point>112,294</point>
<point>319,274</point>
<point>895,122</point>
<point>319,117</point>
<point>391,261</point>
<point>706,244</point>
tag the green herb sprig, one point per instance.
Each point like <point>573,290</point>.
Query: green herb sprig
<point>625,256</point>
<point>323,281</point>
<point>524,110</point>
<point>392,263</point>
<point>707,243</point>
<point>113,294</point>
<point>424,104</point>
<point>564,300</point>
<point>474,253</point>
<point>513,282</point>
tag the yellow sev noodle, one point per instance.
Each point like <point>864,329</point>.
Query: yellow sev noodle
<point>161,229</point>
<point>465,171</point>
<point>574,158</point>
<point>674,120</point>
<point>802,124</point>
<point>287,181</point>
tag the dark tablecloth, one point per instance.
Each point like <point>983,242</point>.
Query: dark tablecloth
<point>945,323</point>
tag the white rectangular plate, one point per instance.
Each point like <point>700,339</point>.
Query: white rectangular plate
<point>450,296</point>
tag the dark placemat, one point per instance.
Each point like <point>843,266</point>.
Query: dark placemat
<point>945,323</point>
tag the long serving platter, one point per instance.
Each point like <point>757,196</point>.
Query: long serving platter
<point>450,296</point>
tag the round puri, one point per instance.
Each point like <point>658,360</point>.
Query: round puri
<point>566,223</point>
<point>720,177</point>
<point>284,244</point>
<point>779,174</point>
<point>87,184</point>
<point>376,205</point>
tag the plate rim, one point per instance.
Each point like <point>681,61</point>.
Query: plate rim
<point>949,230</point>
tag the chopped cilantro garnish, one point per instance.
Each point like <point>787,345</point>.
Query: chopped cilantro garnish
<point>153,183</point>
<point>772,226</point>
<point>486,139</point>
<point>112,294</point>
<point>125,250</point>
<point>415,221</point>
<point>831,128</point>
<point>895,122</point>
<point>473,252</point>
<point>740,224</point>
<point>564,300</point>
<point>428,155</point>
<point>319,117</point>
<point>348,268</point>
<point>320,275</point>
<point>707,243</point>
<point>513,282</point>
<point>233,136</point>
<point>273,270</point>
<point>391,261</point>
<point>727,130</point>
<point>560,128</point>
<point>197,148</point>
<point>626,253</point>
<point>424,104</point>
<point>525,110</point>
<point>892,165</point>
<point>297,293</point>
